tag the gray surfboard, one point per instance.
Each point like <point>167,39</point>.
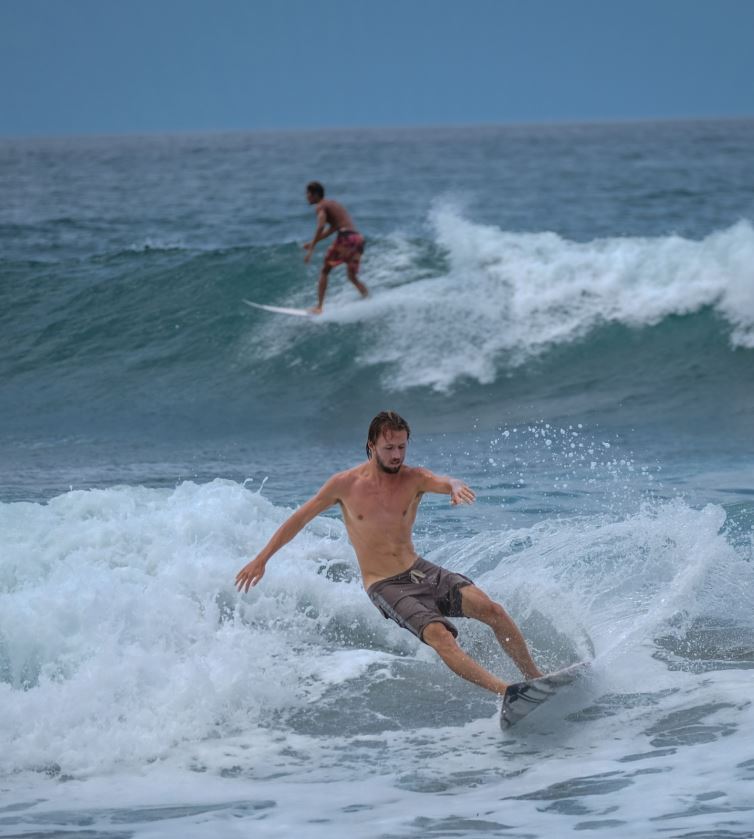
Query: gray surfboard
<point>522,698</point>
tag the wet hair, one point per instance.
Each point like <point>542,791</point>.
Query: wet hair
<point>316,189</point>
<point>385,420</point>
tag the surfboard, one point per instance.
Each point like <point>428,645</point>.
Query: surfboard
<point>280,310</point>
<point>522,698</point>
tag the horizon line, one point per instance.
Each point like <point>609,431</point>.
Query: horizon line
<point>439,126</point>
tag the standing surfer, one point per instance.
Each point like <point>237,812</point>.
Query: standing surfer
<point>347,248</point>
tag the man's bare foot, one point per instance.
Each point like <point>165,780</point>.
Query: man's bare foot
<point>315,310</point>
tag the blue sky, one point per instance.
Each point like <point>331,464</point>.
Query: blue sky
<point>101,66</point>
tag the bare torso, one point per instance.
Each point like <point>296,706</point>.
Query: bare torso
<point>379,514</point>
<point>379,500</point>
<point>336,214</point>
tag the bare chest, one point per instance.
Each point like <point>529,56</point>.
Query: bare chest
<point>371,507</point>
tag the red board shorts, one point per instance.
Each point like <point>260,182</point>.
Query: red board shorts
<point>347,247</point>
<point>424,594</point>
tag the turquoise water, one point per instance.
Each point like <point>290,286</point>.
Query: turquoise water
<point>564,314</point>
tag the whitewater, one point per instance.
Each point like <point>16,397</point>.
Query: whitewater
<point>149,684</point>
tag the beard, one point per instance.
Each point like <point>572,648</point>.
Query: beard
<point>390,470</point>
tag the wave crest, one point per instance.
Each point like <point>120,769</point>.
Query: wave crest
<point>508,297</point>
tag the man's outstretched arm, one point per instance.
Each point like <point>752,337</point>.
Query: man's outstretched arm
<point>459,492</point>
<point>253,571</point>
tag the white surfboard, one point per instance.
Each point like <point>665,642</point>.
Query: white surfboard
<point>280,310</point>
<point>522,698</point>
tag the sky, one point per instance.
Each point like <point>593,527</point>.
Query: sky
<point>71,67</point>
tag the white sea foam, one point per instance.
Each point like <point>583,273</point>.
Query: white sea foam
<point>116,622</point>
<point>122,635</point>
<point>130,663</point>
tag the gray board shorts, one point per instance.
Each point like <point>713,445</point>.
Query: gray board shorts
<point>424,594</point>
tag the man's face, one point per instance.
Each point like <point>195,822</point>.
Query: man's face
<point>311,197</point>
<point>390,450</point>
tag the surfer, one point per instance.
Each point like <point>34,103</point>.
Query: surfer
<point>379,499</point>
<point>347,248</point>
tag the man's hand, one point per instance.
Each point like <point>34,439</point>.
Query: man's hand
<point>309,248</point>
<point>460,493</point>
<point>250,574</point>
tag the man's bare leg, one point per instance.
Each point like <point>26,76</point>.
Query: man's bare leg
<point>353,276</point>
<point>324,275</point>
<point>476,604</point>
<point>441,639</point>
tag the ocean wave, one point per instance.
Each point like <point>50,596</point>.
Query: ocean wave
<point>510,297</point>
<point>141,644</point>
<point>470,308</point>
<point>478,304</point>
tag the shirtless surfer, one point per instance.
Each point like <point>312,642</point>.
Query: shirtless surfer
<point>348,246</point>
<point>379,500</point>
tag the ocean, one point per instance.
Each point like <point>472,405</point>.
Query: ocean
<point>565,316</point>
